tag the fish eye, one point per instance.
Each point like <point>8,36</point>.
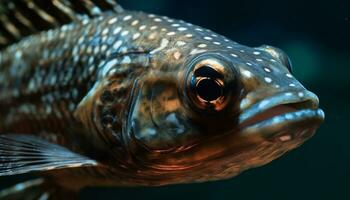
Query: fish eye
<point>207,84</point>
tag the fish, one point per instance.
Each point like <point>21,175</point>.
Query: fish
<point>95,95</point>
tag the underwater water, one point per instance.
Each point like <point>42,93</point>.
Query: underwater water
<point>316,36</point>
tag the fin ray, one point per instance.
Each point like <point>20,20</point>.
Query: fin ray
<point>23,154</point>
<point>17,17</point>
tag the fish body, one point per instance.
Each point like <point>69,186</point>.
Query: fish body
<point>128,98</point>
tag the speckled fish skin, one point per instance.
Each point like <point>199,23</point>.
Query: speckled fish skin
<point>117,89</point>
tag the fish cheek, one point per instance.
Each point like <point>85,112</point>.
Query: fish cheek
<point>158,119</point>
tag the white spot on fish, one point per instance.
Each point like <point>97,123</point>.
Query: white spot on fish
<point>103,48</point>
<point>117,30</point>
<point>109,65</point>
<point>208,38</point>
<point>259,60</point>
<point>292,85</point>
<point>197,51</point>
<point>171,33</point>
<point>273,60</point>
<point>152,36</point>
<point>267,69</point>
<point>182,29</point>
<point>85,21</point>
<point>202,45</point>
<point>247,73</point>
<point>250,64</point>
<point>136,35</point>
<point>143,27</point>
<point>96,51</point>
<point>163,44</point>
<point>289,75</point>
<point>154,27</point>
<point>157,20</point>
<point>217,43</point>
<point>126,18</point>
<point>105,31</point>
<point>124,33</point>
<point>300,94</point>
<point>180,43</point>
<point>189,35</point>
<point>134,23</point>
<point>113,20</point>
<point>268,80</point>
<point>234,55</point>
<point>175,25</point>
<point>117,44</point>
<point>256,53</point>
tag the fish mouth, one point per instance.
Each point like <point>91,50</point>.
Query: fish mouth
<point>285,116</point>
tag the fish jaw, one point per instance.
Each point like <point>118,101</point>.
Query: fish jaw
<point>291,110</point>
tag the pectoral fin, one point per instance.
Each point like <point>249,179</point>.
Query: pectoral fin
<point>21,154</point>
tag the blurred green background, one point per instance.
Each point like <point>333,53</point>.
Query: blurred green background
<point>316,36</point>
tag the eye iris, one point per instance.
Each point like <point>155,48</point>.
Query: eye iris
<point>208,89</point>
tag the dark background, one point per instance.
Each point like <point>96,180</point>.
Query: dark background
<point>316,36</point>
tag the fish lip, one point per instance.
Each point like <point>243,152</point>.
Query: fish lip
<point>302,108</point>
<point>282,98</point>
<point>304,119</point>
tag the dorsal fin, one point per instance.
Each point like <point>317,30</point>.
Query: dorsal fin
<point>19,18</point>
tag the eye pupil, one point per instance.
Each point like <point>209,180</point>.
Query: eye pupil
<point>208,89</point>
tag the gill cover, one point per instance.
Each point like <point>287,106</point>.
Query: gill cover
<point>157,120</point>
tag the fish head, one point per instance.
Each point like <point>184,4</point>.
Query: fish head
<point>202,114</point>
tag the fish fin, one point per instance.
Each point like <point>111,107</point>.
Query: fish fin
<point>27,17</point>
<point>37,189</point>
<point>21,154</point>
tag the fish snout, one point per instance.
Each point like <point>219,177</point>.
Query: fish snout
<point>292,112</point>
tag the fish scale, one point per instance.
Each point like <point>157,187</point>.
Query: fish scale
<point>139,99</point>
<point>49,72</point>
